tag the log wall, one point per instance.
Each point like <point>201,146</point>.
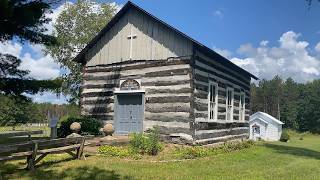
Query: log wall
<point>167,92</point>
<point>176,93</point>
<point>206,69</point>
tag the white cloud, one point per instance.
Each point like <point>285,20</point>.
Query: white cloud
<point>42,68</point>
<point>223,52</point>
<point>54,16</point>
<point>290,59</point>
<point>311,70</point>
<point>48,97</point>
<point>10,47</point>
<point>317,48</point>
<point>289,42</point>
<point>117,6</point>
<point>57,11</point>
<point>264,43</point>
<point>247,49</point>
<point>219,14</point>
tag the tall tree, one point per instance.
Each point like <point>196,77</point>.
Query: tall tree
<point>23,19</point>
<point>297,103</point>
<point>13,81</point>
<point>309,111</point>
<point>74,28</point>
<point>290,100</point>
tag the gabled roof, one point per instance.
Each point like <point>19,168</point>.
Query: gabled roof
<point>80,57</point>
<point>260,119</point>
<point>262,115</point>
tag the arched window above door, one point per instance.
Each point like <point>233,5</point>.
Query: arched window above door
<point>130,84</point>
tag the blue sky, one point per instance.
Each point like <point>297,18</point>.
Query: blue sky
<point>265,37</point>
<point>228,23</point>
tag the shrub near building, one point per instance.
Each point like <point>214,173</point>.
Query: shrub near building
<point>146,143</point>
<point>285,137</point>
<point>88,126</point>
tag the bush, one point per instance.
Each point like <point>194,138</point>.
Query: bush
<point>138,143</point>
<point>153,142</point>
<point>301,138</point>
<point>192,152</point>
<point>114,151</point>
<point>284,136</point>
<point>88,126</point>
<point>235,146</point>
<point>146,144</point>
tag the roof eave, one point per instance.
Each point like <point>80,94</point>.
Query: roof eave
<point>205,48</point>
<point>80,58</point>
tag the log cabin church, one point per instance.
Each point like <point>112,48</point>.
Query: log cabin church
<point>140,72</point>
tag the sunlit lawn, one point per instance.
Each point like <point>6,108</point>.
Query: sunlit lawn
<point>45,129</point>
<point>297,159</point>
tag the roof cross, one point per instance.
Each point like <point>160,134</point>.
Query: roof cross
<point>131,37</point>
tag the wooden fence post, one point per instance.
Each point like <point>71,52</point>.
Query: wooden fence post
<point>31,158</point>
<point>80,150</point>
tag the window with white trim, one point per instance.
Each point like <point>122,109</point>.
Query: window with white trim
<point>229,104</point>
<point>213,101</point>
<point>242,106</point>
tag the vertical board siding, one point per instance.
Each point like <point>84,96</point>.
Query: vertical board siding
<point>154,41</point>
<point>167,92</point>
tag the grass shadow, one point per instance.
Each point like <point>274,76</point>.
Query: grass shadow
<point>53,160</point>
<point>77,173</point>
<point>48,163</point>
<point>296,151</point>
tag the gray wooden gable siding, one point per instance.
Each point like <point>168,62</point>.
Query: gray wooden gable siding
<point>205,70</point>
<point>153,41</point>
<point>167,86</point>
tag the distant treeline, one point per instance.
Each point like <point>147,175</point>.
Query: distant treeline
<point>15,110</point>
<point>295,104</point>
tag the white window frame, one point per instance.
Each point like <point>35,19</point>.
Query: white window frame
<point>215,110</point>
<point>242,106</point>
<point>232,103</point>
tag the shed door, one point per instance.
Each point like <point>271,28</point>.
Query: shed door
<point>129,114</point>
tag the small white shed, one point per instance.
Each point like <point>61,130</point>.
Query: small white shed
<point>264,126</point>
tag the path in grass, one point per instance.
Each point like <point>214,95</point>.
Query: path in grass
<point>298,159</point>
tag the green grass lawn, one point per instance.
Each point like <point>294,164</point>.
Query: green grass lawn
<point>45,129</point>
<point>297,159</point>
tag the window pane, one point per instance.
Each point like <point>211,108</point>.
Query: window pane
<point>213,93</point>
<point>229,97</point>
<point>212,106</point>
